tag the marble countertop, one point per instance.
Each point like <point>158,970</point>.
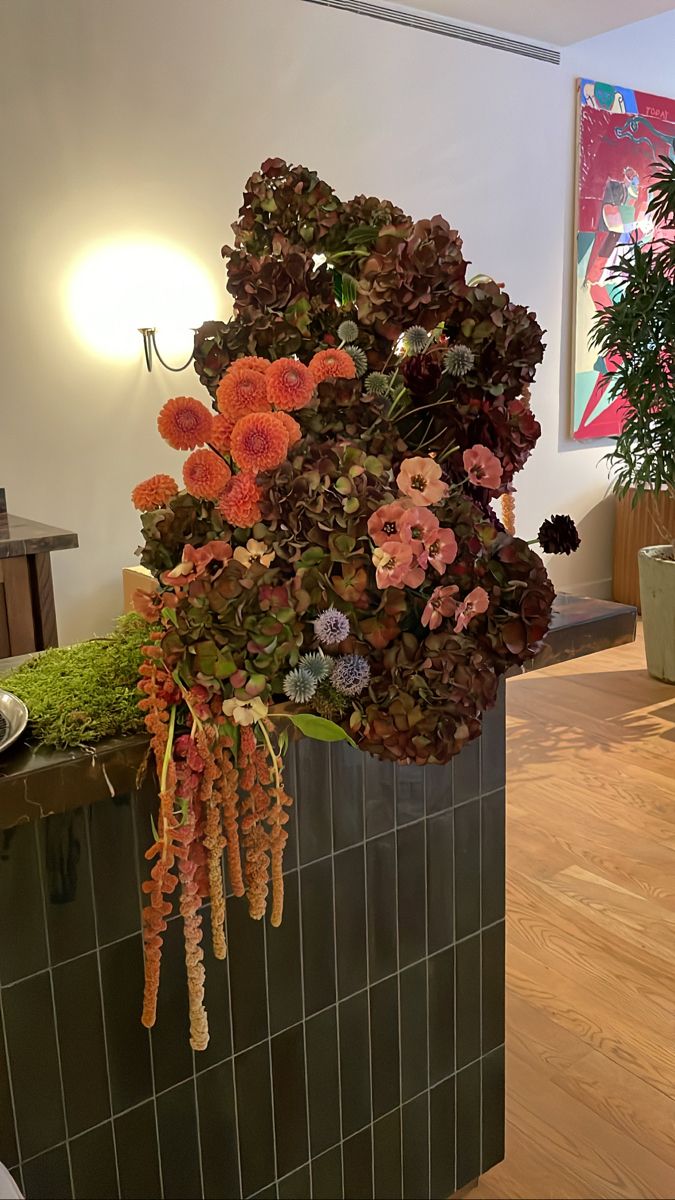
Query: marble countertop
<point>19,536</point>
<point>37,781</point>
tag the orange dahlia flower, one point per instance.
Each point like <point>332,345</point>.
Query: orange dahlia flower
<point>154,492</point>
<point>205,474</point>
<point>239,501</point>
<point>221,432</point>
<point>250,362</point>
<point>291,426</point>
<point>259,442</point>
<point>332,364</point>
<point>290,384</point>
<point>241,392</point>
<point>184,423</point>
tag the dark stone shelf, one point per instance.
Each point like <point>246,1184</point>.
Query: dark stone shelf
<point>20,536</point>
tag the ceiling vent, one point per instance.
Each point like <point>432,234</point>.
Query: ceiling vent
<point>443,26</point>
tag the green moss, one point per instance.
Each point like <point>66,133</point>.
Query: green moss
<point>79,694</point>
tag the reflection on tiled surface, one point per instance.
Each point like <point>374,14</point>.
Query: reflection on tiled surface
<point>357,1051</point>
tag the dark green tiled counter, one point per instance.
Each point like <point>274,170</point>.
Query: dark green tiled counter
<point>356,1051</point>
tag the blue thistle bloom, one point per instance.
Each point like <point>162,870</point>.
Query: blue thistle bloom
<point>348,331</point>
<point>351,674</point>
<point>415,340</point>
<point>317,664</point>
<point>458,360</point>
<point>377,384</point>
<point>331,627</point>
<point>300,685</point>
<point>358,357</point>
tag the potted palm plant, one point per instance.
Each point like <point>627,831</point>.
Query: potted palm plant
<point>637,335</point>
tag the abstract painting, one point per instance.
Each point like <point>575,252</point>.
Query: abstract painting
<point>621,135</point>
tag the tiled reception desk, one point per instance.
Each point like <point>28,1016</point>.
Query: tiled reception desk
<point>357,1051</point>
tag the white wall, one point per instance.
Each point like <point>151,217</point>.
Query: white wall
<point>147,115</point>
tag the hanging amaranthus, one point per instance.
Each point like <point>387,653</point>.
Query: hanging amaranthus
<point>508,506</point>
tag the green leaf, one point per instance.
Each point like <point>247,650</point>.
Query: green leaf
<point>319,728</point>
<point>170,614</point>
<point>349,290</point>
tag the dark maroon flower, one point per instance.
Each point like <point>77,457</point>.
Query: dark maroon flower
<point>559,536</point>
<point>421,374</point>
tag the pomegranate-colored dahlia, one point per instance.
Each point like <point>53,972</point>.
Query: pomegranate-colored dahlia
<point>154,492</point>
<point>221,432</point>
<point>241,392</point>
<point>250,362</point>
<point>290,384</point>
<point>332,364</point>
<point>239,501</point>
<point>291,426</point>
<point>259,442</point>
<point>184,423</point>
<point>205,474</point>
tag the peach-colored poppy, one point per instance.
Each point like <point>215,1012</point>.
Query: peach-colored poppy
<point>385,523</point>
<point>476,602</point>
<point>442,550</point>
<point>483,467</point>
<point>395,566</point>
<point>441,604</point>
<point>420,478</point>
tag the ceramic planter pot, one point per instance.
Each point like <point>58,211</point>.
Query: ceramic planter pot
<point>634,528</point>
<point>657,591</point>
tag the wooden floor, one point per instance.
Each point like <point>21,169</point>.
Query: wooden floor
<point>591,934</point>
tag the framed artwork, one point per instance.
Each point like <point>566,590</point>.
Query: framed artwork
<point>621,134</point>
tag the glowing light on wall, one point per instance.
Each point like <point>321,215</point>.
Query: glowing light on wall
<point>121,285</point>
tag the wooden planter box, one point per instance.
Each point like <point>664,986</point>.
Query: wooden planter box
<point>634,529</point>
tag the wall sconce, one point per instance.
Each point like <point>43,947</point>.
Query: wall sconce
<point>150,347</point>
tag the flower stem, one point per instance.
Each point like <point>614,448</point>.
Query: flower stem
<point>168,749</point>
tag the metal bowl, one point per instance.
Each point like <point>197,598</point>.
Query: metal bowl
<point>13,718</point>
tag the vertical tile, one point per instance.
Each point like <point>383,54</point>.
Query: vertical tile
<point>313,799</point>
<point>381,888</point>
<point>442,1136</point>
<point>492,857</point>
<point>385,1048</point>
<point>357,1157</point>
<point>288,1094</point>
<point>47,1177</point>
<point>414,1073</point>
<point>412,917</point>
<point>323,1082</point>
<point>467,1103</point>
<point>80,1031</point>
<point>296,1186</point>
<point>218,1131</point>
<point>347,781</point>
<point>113,859</point>
<point>441,982</point>
<point>92,1158</point>
<point>350,920</point>
<point>468,1000</point>
<point>254,1102</point>
<point>23,950</point>
<point>354,1063</point>
<point>440,881</point>
<point>284,973</point>
<point>128,1043</point>
<point>327,1175</point>
<point>379,795</point>
<point>9,1153</point>
<point>493,986</point>
<point>467,868</point>
<point>169,1037</point>
<point>416,1148</point>
<point>246,953</point>
<point>387,1156</point>
<point>67,884</point>
<point>216,1001</point>
<point>492,1150</point>
<point>178,1144</point>
<point>318,938</point>
<point>492,744</point>
<point>466,773</point>
<point>409,782</point>
<point>139,1173</point>
<point>438,788</point>
<point>31,1041</point>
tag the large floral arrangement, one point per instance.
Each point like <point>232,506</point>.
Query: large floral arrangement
<point>333,561</point>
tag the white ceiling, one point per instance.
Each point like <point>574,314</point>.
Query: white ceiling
<point>558,21</point>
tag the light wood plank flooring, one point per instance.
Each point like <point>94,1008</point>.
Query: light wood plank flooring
<point>591,934</point>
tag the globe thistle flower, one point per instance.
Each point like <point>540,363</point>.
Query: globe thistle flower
<point>328,703</point>
<point>377,384</point>
<point>559,535</point>
<point>331,627</point>
<point>415,340</point>
<point>348,331</point>
<point>300,685</point>
<point>317,664</point>
<point>350,674</point>
<point>358,357</point>
<point>458,360</point>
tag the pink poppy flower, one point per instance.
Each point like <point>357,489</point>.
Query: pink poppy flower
<point>476,602</point>
<point>441,604</point>
<point>384,524</point>
<point>442,550</point>
<point>420,478</point>
<point>483,467</point>
<point>419,527</point>
<point>395,566</point>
